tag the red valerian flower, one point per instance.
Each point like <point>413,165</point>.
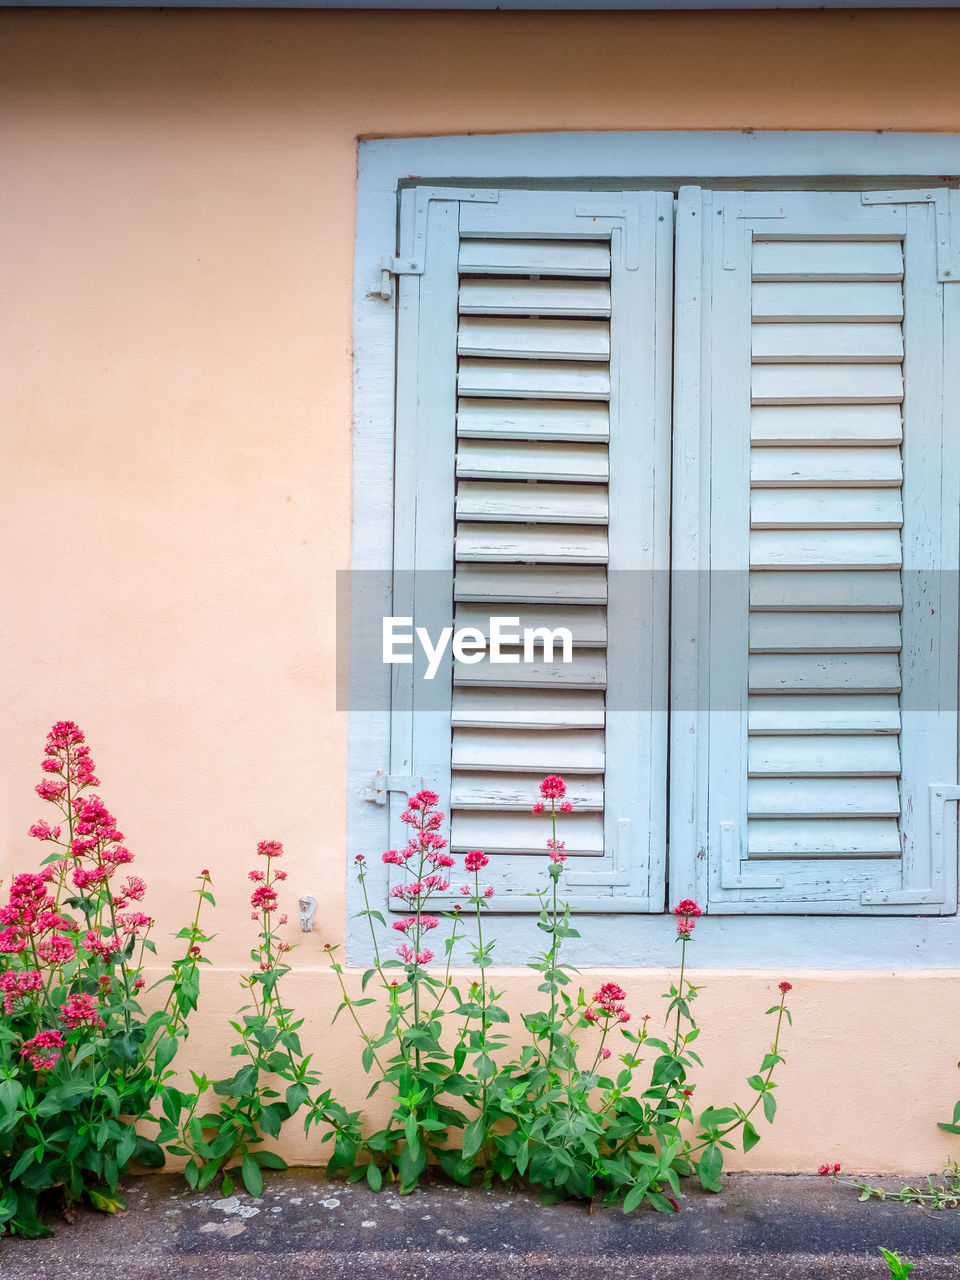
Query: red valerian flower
<point>604,1053</point>
<point>609,994</point>
<point>687,908</point>
<point>553,787</point>
<point>19,984</point>
<point>556,848</point>
<point>43,1051</point>
<point>81,1010</point>
<point>270,849</point>
<point>786,986</point>
<point>264,898</point>
<point>539,807</point>
<point>475,861</point>
<point>686,912</point>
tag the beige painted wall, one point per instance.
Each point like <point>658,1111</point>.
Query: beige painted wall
<point>177,218</point>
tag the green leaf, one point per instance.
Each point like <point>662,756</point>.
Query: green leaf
<point>633,1197</point>
<point>411,1132</point>
<point>757,1082</point>
<point>252,1177</point>
<point>666,1069</point>
<point>661,1203</point>
<point>269,1160</point>
<point>709,1168</point>
<point>165,1054</point>
<point>714,1117</point>
<point>750,1135</point>
<point>244,1082</point>
<point>769,1107</point>
<point>126,1147</point>
<point>374,1177</point>
<point>25,1161</point>
<point>473,1138</point>
<point>106,1202</point>
<point>148,1153</point>
<point>296,1096</point>
<point>11,1091</point>
<point>899,1269</point>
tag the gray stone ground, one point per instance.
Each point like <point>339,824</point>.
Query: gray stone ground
<point>761,1228</point>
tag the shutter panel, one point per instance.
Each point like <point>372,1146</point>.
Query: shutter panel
<point>532,481</point>
<point>823,698</point>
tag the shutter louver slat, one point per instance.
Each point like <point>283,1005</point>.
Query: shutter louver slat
<point>587,259</point>
<point>532,473</point>
<point>829,424</point>
<point>534,379</point>
<point>533,420</point>
<point>526,338</point>
<point>802,300</point>
<point>810,467</point>
<point>804,260</point>
<point>534,460</point>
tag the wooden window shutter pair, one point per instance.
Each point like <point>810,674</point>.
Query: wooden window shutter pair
<point>560,354</point>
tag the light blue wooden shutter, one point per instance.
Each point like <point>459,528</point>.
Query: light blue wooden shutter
<point>532,481</point>
<point>815,680</point>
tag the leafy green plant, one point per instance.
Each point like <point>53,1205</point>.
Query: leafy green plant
<point>81,1064</point>
<point>554,1114</point>
<point>228,1142</point>
<point>942,1194</point>
<point>899,1270</point>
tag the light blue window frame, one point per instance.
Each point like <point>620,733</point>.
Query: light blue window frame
<point>779,161</point>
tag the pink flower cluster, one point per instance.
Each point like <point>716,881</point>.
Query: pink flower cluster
<point>424,850</point>
<point>43,1051</point>
<point>421,922</point>
<point>81,1010</point>
<point>553,788</point>
<point>18,985</point>
<point>409,956</point>
<point>30,916</point>
<point>68,755</point>
<point>686,912</point>
<point>826,1170</point>
<point>425,843</point>
<point>264,898</point>
<point>607,1003</point>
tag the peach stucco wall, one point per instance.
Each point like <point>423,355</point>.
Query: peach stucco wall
<point>177,218</point>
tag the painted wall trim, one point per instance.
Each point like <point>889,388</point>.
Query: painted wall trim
<point>749,159</point>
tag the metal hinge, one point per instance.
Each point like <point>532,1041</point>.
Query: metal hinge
<point>412,257</point>
<point>946,203</point>
<point>382,784</point>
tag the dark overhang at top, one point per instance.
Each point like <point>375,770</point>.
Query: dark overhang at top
<point>543,6</point>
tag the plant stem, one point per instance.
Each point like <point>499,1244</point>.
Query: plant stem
<point>683,964</point>
<point>353,1014</point>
